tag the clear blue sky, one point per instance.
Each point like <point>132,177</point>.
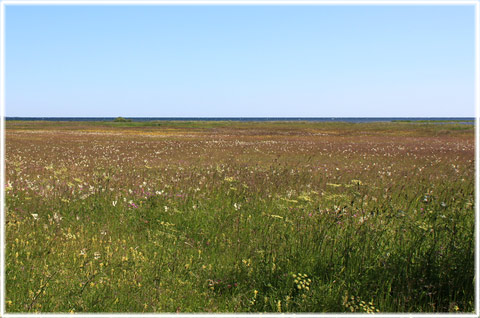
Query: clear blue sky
<point>312,61</point>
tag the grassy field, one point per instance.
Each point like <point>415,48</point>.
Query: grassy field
<point>239,217</point>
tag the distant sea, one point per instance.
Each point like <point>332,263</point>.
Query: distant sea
<point>466,120</point>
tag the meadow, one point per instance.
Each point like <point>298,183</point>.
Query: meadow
<point>239,217</point>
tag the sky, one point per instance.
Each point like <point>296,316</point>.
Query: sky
<point>239,61</point>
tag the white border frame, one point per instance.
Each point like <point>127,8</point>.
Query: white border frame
<point>3,3</point>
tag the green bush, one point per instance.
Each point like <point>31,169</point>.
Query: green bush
<point>122,120</point>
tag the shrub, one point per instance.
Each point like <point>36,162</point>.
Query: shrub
<point>122,120</point>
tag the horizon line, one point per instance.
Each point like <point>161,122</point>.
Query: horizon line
<point>241,116</point>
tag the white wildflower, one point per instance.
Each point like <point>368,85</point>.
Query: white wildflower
<point>57,217</point>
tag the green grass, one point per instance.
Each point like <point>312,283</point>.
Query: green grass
<point>290,223</point>
<point>434,121</point>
